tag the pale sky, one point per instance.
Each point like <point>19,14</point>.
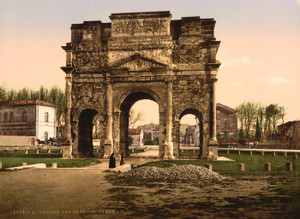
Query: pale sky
<point>259,51</point>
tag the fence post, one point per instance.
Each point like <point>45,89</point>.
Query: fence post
<point>228,152</point>
<point>241,167</point>
<point>37,151</point>
<point>262,153</point>
<point>267,166</point>
<point>285,154</point>
<point>26,151</point>
<point>289,166</point>
<point>250,153</point>
<point>239,152</point>
<point>274,154</point>
<point>295,155</point>
<point>0,164</point>
<point>49,151</point>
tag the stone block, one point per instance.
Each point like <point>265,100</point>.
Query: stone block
<point>289,166</point>
<point>53,165</point>
<point>208,166</point>
<point>241,167</point>
<point>267,166</point>
<point>67,152</point>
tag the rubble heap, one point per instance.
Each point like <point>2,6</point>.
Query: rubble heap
<point>180,172</point>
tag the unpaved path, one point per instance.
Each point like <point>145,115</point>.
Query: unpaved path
<point>84,193</point>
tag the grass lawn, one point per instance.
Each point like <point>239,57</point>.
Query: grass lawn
<point>284,182</point>
<point>136,151</point>
<point>13,159</point>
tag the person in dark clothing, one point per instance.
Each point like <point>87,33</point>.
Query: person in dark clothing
<point>112,161</point>
<point>122,160</point>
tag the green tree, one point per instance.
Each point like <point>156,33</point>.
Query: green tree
<point>247,113</point>
<point>130,140</point>
<point>2,93</point>
<point>273,114</point>
<point>257,129</point>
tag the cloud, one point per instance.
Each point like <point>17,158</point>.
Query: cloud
<point>278,80</point>
<point>298,2</point>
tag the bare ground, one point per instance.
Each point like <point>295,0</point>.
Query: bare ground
<point>85,193</point>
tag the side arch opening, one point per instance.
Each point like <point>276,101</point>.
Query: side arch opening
<point>191,133</point>
<point>85,133</point>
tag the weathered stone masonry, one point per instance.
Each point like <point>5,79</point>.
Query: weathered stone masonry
<point>138,56</point>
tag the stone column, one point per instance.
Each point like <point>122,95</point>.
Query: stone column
<point>68,114</point>
<point>68,105</point>
<point>117,133</point>
<point>108,143</point>
<point>213,142</point>
<point>213,137</point>
<point>168,145</point>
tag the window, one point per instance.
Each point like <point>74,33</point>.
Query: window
<point>46,117</point>
<point>5,119</point>
<point>24,116</point>
<point>11,117</point>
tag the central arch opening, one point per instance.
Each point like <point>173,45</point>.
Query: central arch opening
<point>191,133</point>
<point>141,135</point>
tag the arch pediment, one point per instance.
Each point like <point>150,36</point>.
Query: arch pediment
<point>137,62</point>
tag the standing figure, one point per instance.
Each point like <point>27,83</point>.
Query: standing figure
<point>122,160</point>
<point>112,161</point>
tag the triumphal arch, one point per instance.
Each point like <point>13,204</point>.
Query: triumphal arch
<point>110,66</point>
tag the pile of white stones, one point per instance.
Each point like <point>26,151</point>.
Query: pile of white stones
<point>180,172</point>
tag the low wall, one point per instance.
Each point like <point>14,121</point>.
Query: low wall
<point>15,140</point>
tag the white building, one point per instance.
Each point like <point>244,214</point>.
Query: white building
<point>32,119</point>
<point>137,136</point>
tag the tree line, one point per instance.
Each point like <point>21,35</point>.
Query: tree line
<point>259,121</point>
<point>53,95</point>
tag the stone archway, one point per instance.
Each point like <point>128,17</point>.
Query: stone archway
<point>141,55</point>
<point>85,135</point>
<point>199,128</point>
<point>125,107</point>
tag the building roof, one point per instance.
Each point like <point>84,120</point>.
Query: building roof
<point>134,131</point>
<point>226,108</point>
<point>26,102</point>
<point>289,123</point>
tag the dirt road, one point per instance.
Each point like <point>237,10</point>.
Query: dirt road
<point>84,193</point>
